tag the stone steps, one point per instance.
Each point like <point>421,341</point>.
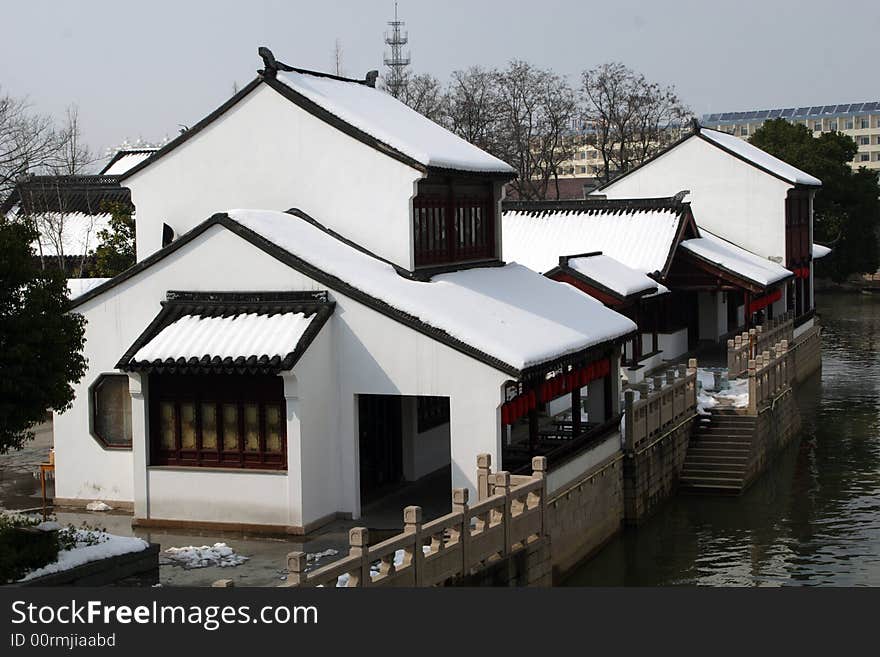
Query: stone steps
<point>718,454</point>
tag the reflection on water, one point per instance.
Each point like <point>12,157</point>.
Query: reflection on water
<point>812,518</point>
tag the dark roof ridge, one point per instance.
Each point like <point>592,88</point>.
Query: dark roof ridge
<point>676,203</point>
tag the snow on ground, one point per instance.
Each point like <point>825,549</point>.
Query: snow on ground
<point>190,557</point>
<point>109,545</point>
<point>735,393</point>
<point>98,505</point>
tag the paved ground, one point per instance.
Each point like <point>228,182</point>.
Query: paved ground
<point>267,556</point>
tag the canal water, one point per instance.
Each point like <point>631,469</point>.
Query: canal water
<point>812,518</point>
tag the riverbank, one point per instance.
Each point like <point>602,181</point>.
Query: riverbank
<point>812,518</point>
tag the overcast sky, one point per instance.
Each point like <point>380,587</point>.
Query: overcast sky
<point>138,69</point>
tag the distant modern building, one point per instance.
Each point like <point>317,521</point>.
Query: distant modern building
<point>861,121</point>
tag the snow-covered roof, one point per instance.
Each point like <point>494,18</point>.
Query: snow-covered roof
<point>509,313</point>
<point>68,234</point>
<point>760,158</point>
<point>79,286</point>
<point>820,251</point>
<point>640,238</point>
<point>613,274</point>
<point>733,258</point>
<point>390,121</point>
<point>232,337</point>
<point>229,332</point>
<point>125,159</point>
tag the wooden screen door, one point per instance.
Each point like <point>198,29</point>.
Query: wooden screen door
<point>381,443</point>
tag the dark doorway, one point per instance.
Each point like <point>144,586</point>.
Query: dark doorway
<point>381,444</point>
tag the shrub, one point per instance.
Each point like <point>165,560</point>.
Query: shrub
<point>23,547</point>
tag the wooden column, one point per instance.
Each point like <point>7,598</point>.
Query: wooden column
<point>576,410</point>
<point>533,430</point>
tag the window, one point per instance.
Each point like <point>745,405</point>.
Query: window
<point>232,421</point>
<point>864,123</point>
<point>864,157</point>
<point>432,412</point>
<point>582,169</point>
<point>864,140</point>
<point>877,156</point>
<point>817,126</point>
<point>832,124</point>
<point>849,124</point>
<point>110,412</point>
<point>744,131</point>
<point>454,222</point>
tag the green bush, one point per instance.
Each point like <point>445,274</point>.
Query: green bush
<point>23,547</point>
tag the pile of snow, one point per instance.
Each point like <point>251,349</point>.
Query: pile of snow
<point>315,557</point>
<point>109,545</point>
<point>735,394</point>
<point>204,556</point>
<point>98,505</point>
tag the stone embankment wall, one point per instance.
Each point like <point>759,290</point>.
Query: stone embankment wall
<point>777,424</point>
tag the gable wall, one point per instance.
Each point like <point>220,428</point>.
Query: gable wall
<point>358,351</point>
<point>729,197</point>
<point>267,153</point>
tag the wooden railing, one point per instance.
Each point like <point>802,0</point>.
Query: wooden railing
<point>671,399</point>
<point>747,346</point>
<point>455,545</point>
<point>769,374</point>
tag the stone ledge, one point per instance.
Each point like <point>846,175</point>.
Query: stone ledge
<point>132,568</point>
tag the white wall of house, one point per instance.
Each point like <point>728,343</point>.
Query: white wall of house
<point>673,344</point>
<point>729,197</point>
<point>268,153</point>
<point>359,351</point>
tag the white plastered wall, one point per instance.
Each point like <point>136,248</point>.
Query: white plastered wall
<point>729,197</point>
<point>266,152</point>
<point>359,351</point>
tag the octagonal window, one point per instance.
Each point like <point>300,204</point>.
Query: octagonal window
<point>111,410</point>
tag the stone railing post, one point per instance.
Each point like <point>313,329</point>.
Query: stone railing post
<point>753,343</point>
<point>539,471</point>
<point>484,469</point>
<point>753,388</point>
<point>502,487</point>
<point>629,398</point>
<point>783,346</point>
<point>359,540</point>
<point>731,355</point>
<point>296,568</point>
<point>412,526</point>
<point>658,383</point>
<point>460,505</point>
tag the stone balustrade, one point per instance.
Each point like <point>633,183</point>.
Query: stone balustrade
<point>671,399</point>
<point>749,344</point>
<point>456,545</point>
<point>769,375</point>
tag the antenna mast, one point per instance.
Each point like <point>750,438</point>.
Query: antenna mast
<point>397,61</point>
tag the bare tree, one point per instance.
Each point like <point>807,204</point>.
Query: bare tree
<point>628,117</point>
<point>27,141</point>
<point>535,113</point>
<point>424,93</point>
<point>472,106</point>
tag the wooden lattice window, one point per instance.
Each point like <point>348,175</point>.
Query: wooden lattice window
<point>233,421</point>
<point>453,223</point>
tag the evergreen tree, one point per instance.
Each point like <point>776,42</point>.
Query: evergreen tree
<point>847,208</point>
<point>116,252</point>
<point>40,342</point>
